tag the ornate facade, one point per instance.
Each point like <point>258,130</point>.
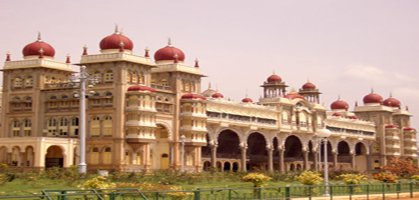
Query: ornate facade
<point>145,114</point>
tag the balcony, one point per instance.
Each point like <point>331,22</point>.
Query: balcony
<point>193,114</point>
<point>410,139</point>
<point>140,137</point>
<point>193,128</point>
<point>413,148</point>
<point>393,146</point>
<point>139,108</point>
<point>140,123</point>
<point>392,137</point>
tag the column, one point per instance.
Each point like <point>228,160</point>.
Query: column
<point>281,161</point>
<point>353,161</point>
<point>244,158</point>
<point>335,161</point>
<point>369,168</point>
<point>270,160</point>
<point>315,157</point>
<point>213,156</point>
<point>305,156</point>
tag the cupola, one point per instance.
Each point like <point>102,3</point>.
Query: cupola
<point>392,102</point>
<point>373,98</point>
<point>116,42</point>
<point>169,53</point>
<point>339,105</point>
<point>38,49</point>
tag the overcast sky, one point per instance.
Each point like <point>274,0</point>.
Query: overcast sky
<point>344,47</point>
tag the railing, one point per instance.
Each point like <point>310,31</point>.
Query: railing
<point>370,191</point>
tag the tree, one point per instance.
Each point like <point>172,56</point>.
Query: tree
<point>401,167</point>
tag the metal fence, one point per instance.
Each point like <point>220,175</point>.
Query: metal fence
<point>370,191</point>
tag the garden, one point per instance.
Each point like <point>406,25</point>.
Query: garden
<point>399,176</point>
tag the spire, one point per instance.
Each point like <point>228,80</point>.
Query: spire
<point>196,63</point>
<point>391,94</point>
<point>85,50</point>
<point>209,85</point>
<point>339,97</point>
<point>117,29</point>
<point>8,56</point>
<point>147,52</point>
<point>372,90</point>
<point>67,60</point>
<point>39,37</point>
<point>169,42</point>
<point>407,108</point>
<point>356,103</point>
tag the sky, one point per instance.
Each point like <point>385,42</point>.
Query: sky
<point>346,47</point>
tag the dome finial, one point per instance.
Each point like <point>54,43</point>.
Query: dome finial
<point>85,50</point>
<point>338,96</point>
<point>356,103</point>
<point>372,90</point>
<point>68,59</point>
<point>117,29</point>
<point>209,85</point>
<point>246,95</point>
<point>147,52</point>
<point>391,94</point>
<point>8,56</point>
<point>169,42</point>
<point>39,36</point>
<point>196,63</point>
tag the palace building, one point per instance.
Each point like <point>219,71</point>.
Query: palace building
<point>146,114</point>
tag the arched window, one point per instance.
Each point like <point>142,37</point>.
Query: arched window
<point>107,126</point>
<point>95,126</point>
<point>94,156</point>
<point>29,82</point>
<point>107,155</point>
<point>109,76</point>
<point>17,82</point>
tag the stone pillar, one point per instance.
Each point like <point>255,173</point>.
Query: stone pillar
<point>315,161</point>
<point>335,161</point>
<point>305,156</point>
<point>281,161</point>
<point>213,156</point>
<point>270,160</point>
<point>353,161</point>
<point>369,166</point>
<point>244,158</point>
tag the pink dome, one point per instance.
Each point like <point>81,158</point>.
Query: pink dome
<point>169,52</point>
<point>339,105</point>
<point>373,98</point>
<point>140,88</point>
<point>37,48</point>
<point>116,41</point>
<point>274,78</point>
<point>392,102</point>
<point>193,96</point>
<point>217,95</point>
<point>247,100</point>
<point>309,86</point>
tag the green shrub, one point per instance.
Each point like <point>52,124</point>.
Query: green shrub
<point>98,182</point>
<point>309,178</point>
<point>352,179</point>
<point>257,179</point>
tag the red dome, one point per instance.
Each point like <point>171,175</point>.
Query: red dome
<point>309,86</point>
<point>35,49</point>
<point>390,126</point>
<point>274,78</point>
<point>392,102</point>
<point>217,95</point>
<point>169,52</point>
<point>247,100</point>
<point>373,98</point>
<point>339,105</point>
<point>294,95</point>
<point>116,41</point>
<point>409,129</point>
<point>336,114</point>
<point>193,96</point>
<point>141,88</point>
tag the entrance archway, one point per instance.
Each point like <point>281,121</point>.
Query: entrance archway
<point>344,155</point>
<point>361,157</point>
<point>54,157</point>
<point>161,148</point>
<point>293,151</point>
<point>258,155</point>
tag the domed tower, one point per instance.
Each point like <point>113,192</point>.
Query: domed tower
<point>310,92</point>
<point>140,123</point>
<point>193,128</point>
<point>274,87</point>
<point>25,83</point>
<point>116,42</point>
